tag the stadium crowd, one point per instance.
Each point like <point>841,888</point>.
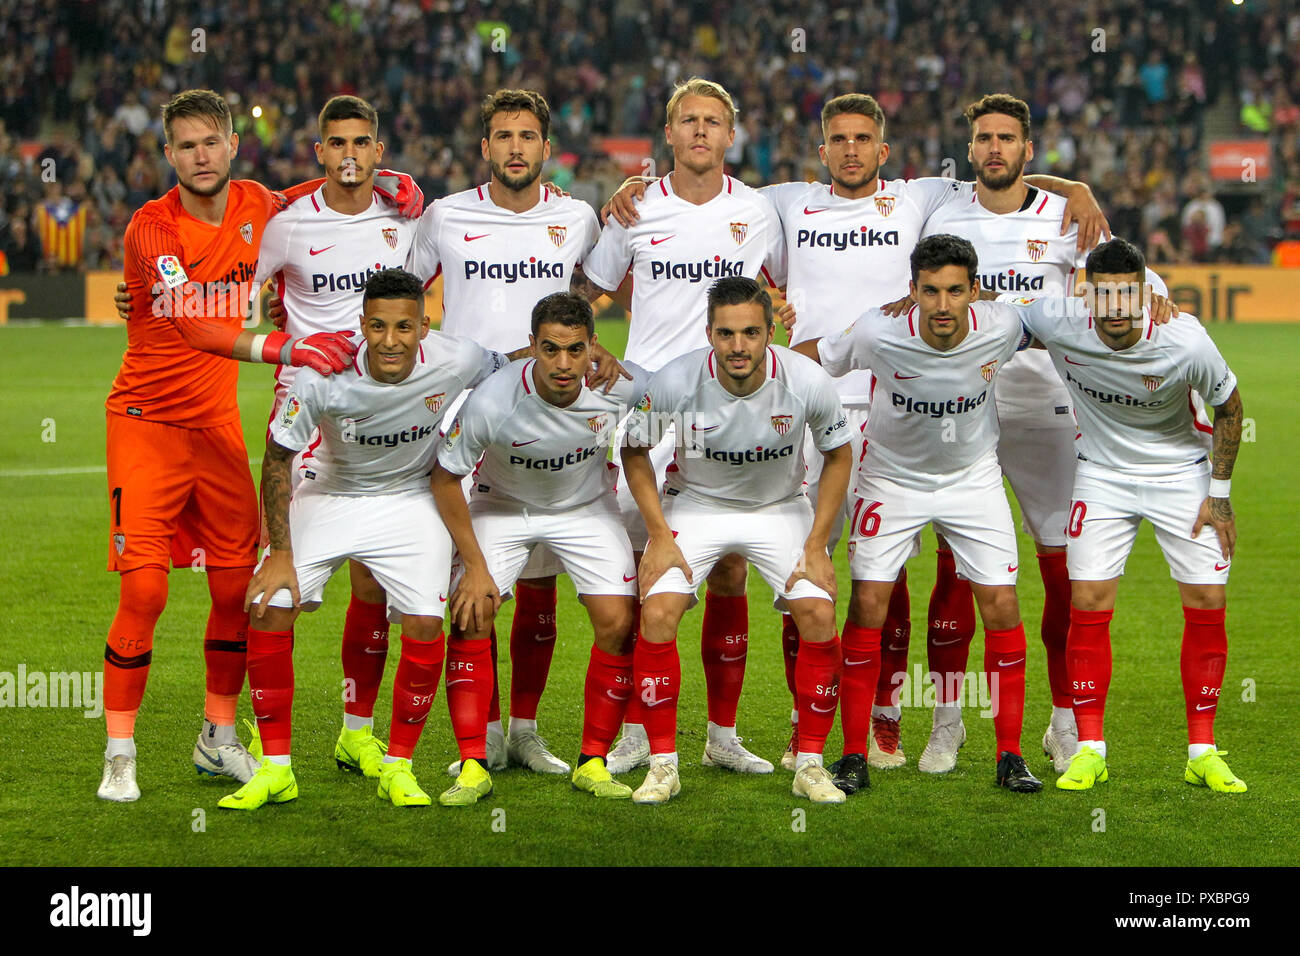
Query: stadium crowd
<point>1119,94</point>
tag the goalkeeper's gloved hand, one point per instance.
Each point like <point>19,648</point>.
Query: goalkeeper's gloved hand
<point>325,352</point>
<point>401,191</point>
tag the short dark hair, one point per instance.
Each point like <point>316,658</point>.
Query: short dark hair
<point>738,290</point>
<point>392,284</point>
<point>859,103</point>
<point>1000,103</point>
<point>564,308</point>
<point>346,108</point>
<point>516,101</point>
<point>204,105</point>
<point>934,252</point>
<point>1116,257</point>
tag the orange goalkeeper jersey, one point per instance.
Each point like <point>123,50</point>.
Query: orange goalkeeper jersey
<point>180,270</point>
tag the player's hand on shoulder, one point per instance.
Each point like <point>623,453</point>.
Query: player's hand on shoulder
<point>1217,513</point>
<point>606,369</point>
<point>275,311</point>
<point>123,302</point>
<point>815,565</point>
<point>475,602</point>
<point>787,316</point>
<point>1082,208</point>
<point>661,554</point>
<point>898,307</point>
<point>554,189</point>
<point>276,574</point>
<point>1163,310</point>
<point>622,206</point>
<point>324,352</point>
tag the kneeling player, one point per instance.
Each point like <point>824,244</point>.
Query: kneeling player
<point>366,497</point>
<point>736,488</point>
<point>534,436</point>
<point>1143,454</point>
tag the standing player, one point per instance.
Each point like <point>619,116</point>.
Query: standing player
<point>1143,454</point>
<point>320,251</point>
<point>737,488</point>
<point>696,225</point>
<point>180,489</point>
<point>364,496</point>
<point>500,247</point>
<point>930,458</point>
<point>533,438</point>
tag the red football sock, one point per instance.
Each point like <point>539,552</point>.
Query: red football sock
<point>951,628</point>
<point>657,680</point>
<point>724,642</point>
<point>225,643</point>
<point>532,642</point>
<point>1088,653</point>
<point>605,696</point>
<point>895,636</point>
<point>1203,658</point>
<point>1004,662</point>
<point>414,686</point>
<point>365,652</point>
<point>128,650</point>
<point>470,676</point>
<point>860,647</point>
<point>1056,624</point>
<point>818,675</point>
<point>270,682</point>
<point>635,713</point>
<point>790,653</point>
<point>494,700</point>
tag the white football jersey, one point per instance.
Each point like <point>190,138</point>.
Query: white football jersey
<point>496,264</point>
<point>526,451</point>
<point>739,452</point>
<point>1135,407</point>
<point>377,437</point>
<point>676,250</point>
<point>931,411</point>
<point>846,255</point>
<point>1021,252</point>
<point>320,260</point>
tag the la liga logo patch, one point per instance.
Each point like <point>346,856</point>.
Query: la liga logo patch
<point>171,271</point>
<point>291,409</point>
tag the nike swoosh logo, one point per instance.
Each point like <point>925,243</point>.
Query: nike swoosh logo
<point>441,596</point>
<point>904,378</point>
<point>543,638</point>
<point>1012,568</point>
<point>316,252</point>
<point>195,262</point>
<point>282,790</point>
<point>1068,361</point>
<point>655,242</point>
<point>656,703</point>
<point>218,761</point>
<point>813,212</point>
<point>706,428</point>
<point>849,663</point>
<point>823,710</point>
<point>373,650</point>
<point>469,238</point>
<point>1002,663</point>
<point>739,657</point>
<point>461,680</point>
<point>944,643</point>
<point>627,580</point>
<point>1206,706</point>
<point>1221,567</point>
<point>1086,700</point>
<point>521,444</point>
<point>610,694</point>
<point>894,648</point>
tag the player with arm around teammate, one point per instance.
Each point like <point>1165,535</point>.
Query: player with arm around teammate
<point>365,497</point>
<point>741,408</point>
<point>533,438</point>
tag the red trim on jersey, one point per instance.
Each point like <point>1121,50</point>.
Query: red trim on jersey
<point>421,354</point>
<point>772,352</point>
<point>710,366</point>
<point>728,184</point>
<point>871,393</point>
<point>910,327</point>
<point>1041,205</point>
<point>546,194</point>
<point>1151,326</point>
<point>523,376</point>
<point>309,451</point>
<point>974,323</point>
<point>355,365</point>
<point>768,276</point>
<point>480,193</point>
<point>662,188</point>
<point>1196,422</point>
<point>436,272</point>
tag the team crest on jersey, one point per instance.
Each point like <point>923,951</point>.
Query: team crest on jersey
<point>987,370</point>
<point>738,230</point>
<point>782,423</point>
<point>291,409</point>
<point>557,234</point>
<point>171,271</point>
<point>1152,382</point>
<point>434,402</point>
<point>1036,248</point>
<point>246,232</point>
<point>597,422</point>
<point>884,205</point>
<point>390,237</point>
<point>119,542</point>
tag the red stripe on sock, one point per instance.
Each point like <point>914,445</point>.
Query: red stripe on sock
<point>818,676</point>
<point>1201,663</point>
<point>1055,627</point>
<point>950,629</point>
<point>414,686</point>
<point>270,682</point>
<point>364,653</point>
<point>605,696</point>
<point>1088,653</point>
<point>895,637</point>
<point>860,647</point>
<point>724,642</point>
<point>657,680</point>
<point>1004,663</point>
<point>470,677</point>
<point>532,643</point>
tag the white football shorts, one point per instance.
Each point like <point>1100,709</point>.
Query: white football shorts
<point>770,537</point>
<point>661,456</point>
<point>1039,463</point>
<point>1104,521</point>
<point>971,512</point>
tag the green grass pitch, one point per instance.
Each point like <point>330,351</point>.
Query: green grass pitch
<point>56,601</point>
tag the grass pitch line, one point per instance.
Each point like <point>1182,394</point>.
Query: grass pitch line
<point>81,470</point>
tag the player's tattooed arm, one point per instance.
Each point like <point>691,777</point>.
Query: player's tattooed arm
<point>474,604</point>
<point>816,564</point>
<point>276,572</point>
<point>579,284</point>
<point>1217,512</point>
<point>1081,207</point>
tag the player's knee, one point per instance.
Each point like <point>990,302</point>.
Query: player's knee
<point>1204,597</point>
<point>1092,595</point>
<point>420,627</point>
<point>815,619</point>
<point>659,619</point>
<point>866,609</point>
<point>227,587</point>
<point>144,592</point>
<point>728,577</point>
<point>999,608</point>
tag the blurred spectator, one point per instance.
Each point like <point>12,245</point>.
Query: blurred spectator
<point>21,247</point>
<point>1203,207</point>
